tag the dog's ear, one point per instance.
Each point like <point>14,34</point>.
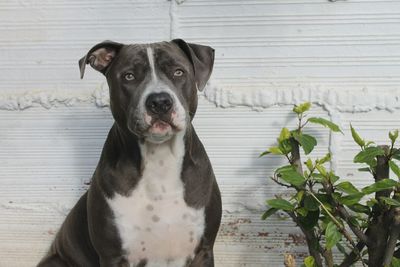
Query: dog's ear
<point>202,58</point>
<point>100,56</point>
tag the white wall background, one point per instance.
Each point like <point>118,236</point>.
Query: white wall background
<point>343,56</point>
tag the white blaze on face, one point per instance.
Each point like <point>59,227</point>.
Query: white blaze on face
<point>178,114</point>
<point>151,61</point>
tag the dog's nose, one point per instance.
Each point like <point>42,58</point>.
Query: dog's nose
<point>159,103</point>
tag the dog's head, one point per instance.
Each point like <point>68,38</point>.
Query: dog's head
<point>153,87</point>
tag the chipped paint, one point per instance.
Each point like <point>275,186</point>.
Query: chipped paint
<point>351,100</point>
<point>49,99</point>
<point>258,99</point>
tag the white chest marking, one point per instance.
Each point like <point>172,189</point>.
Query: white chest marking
<point>154,222</point>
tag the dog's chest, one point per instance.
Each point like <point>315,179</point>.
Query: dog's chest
<point>154,222</point>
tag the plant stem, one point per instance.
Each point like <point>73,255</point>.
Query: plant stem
<point>382,172</point>
<point>335,221</point>
<point>393,236</point>
<point>296,161</point>
<point>311,238</point>
<point>380,223</point>
<point>328,257</point>
<point>339,226</point>
<point>279,183</point>
<point>355,229</point>
<point>353,256</point>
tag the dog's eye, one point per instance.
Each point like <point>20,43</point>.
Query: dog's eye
<point>178,73</point>
<point>129,77</point>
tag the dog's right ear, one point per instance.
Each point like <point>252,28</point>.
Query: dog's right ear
<point>100,56</point>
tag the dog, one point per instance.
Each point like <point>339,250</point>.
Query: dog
<point>153,198</point>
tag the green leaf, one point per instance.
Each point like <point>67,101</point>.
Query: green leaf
<point>332,177</point>
<point>302,107</point>
<point>395,262</point>
<point>396,154</point>
<point>310,203</point>
<point>321,170</point>
<point>264,153</point>
<point>390,201</point>
<point>350,199</point>
<point>393,136</point>
<point>325,123</point>
<point>302,211</point>
<point>299,195</point>
<point>366,169</point>
<point>285,168</point>
<point>285,146</point>
<point>347,187</point>
<point>291,176</point>
<point>282,204</point>
<point>379,186</point>
<point>341,248</point>
<point>309,164</point>
<point>395,169</point>
<point>323,198</point>
<point>268,213</point>
<point>368,155</point>
<point>371,202</point>
<point>309,221</point>
<point>326,158</point>
<point>356,137</point>
<point>275,150</point>
<point>360,208</point>
<point>310,262</point>
<point>285,134</point>
<point>318,177</point>
<point>306,141</point>
<point>332,235</point>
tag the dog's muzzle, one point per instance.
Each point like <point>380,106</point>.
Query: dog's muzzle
<point>158,117</point>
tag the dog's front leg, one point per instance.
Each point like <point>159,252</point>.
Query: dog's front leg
<point>204,258</point>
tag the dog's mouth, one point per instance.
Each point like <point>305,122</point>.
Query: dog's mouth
<point>157,128</point>
<point>161,129</point>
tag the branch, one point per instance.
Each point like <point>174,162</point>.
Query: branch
<point>328,256</point>
<point>340,227</point>
<point>311,239</point>
<point>346,216</point>
<point>296,161</point>
<point>355,229</point>
<point>393,236</point>
<point>382,172</point>
<point>353,256</point>
<point>279,183</point>
<point>379,226</point>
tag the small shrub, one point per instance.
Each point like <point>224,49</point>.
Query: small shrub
<point>329,211</point>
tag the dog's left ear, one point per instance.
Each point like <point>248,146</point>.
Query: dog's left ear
<point>202,59</point>
<point>100,56</point>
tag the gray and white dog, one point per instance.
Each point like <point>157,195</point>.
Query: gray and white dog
<point>153,200</point>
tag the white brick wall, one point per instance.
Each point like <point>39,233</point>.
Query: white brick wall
<point>343,56</point>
